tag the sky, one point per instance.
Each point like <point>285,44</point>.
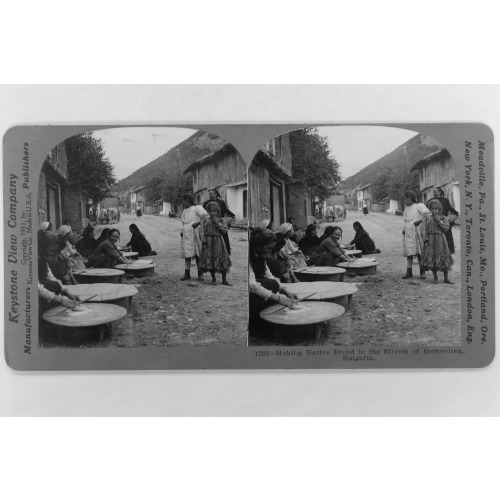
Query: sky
<point>355,147</point>
<point>131,148</point>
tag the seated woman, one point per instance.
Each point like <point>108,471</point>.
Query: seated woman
<point>87,244</point>
<point>362,240</point>
<point>138,243</point>
<point>279,263</point>
<point>107,254</point>
<point>309,242</point>
<point>265,289</point>
<point>291,248</point>
<point>329,252</point>
<point>103,236</point>
<point>50,291</point>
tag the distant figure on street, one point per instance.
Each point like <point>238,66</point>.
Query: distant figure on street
<point>365,209</point>
<point>139,213</point>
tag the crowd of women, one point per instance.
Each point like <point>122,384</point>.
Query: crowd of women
<point>62,253</point>
<point>274,258</point>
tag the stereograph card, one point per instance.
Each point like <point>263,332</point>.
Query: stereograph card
<point>294,245</point>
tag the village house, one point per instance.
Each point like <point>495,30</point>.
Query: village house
<point>364,196</point>
<point>56,203</point>
<point>438,170</point>
<point>137,199</point>
<point>224,170</point>
<point>270,169</point>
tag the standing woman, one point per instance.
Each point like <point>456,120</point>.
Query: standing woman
<point>412,240</point>
<point>213,195</point>
<point>107,255</point>
<point>449,212</point>
<point>190,238</point>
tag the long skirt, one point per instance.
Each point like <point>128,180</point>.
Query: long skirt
<point>435,254</point>
<point>214,256</point>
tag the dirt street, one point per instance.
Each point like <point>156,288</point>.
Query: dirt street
<point>170,312</point>
<point>388,310</point>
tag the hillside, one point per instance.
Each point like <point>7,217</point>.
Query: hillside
<point>178,158</point>
<point>417,147</point>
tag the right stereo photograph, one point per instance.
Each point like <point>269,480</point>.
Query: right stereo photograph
<point>354,239</point>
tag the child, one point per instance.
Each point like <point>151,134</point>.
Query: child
<point>435,254</point>
<point>214,256</point>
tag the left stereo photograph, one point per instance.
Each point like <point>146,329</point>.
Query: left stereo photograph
<point>123,238</point>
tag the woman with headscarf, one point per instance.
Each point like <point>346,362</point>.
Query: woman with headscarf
<point>265,289</point>
<point>107,255</point>
<point>50,291</point>
<point>138,243</point>
<point>190,237</point>
<point>310,242</point>
<point>329,253</point>
<point>449,212</point>
<point>362,240</point>
<point>412,240</point>
<point>87,244</point>
<point>291,248</point>
<point>279,263</point>
<point>214,196</point>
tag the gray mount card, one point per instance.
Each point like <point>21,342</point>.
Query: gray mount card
<point>108,266</point>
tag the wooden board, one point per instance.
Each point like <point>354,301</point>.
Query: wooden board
<point>321,270</point>
<point>356,253</point>
<point>324,290</point>
<point>358,264</point>
<point>106,292</point>
<point>92,315</point>
<point>99,272</point>
<point>137,265</point>
<point>307,313</point>
<point>130,255</point>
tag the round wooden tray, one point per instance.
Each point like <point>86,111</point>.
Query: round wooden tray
<point>356,253</point>
<point>140,268</point>
<point>323,290</point>
<point>92,315</point>
<point>307,313</point>
<point>361,266</point>
<point>321,273</point>
<point>106,292</point>
<point>131,255</point>
<point>99,275</point>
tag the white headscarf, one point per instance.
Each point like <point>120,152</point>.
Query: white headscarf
<point>64,230</point>
<point>285,227</point>
<point>264,223</point>
<point>44,226</point>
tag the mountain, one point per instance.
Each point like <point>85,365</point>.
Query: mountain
<point>178,158</point>
<point>417,147</point>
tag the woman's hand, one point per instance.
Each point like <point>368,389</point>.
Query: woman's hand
<point>285,301</point>
<point>70,295</point>
<point>66,302</point>
<point>289,294</point>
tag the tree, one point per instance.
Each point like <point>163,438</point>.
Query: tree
<point>314,168</point>
<point>169,186</point>
<point>380,189</point>
<point>89,170</point>
<point>402,180</point>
